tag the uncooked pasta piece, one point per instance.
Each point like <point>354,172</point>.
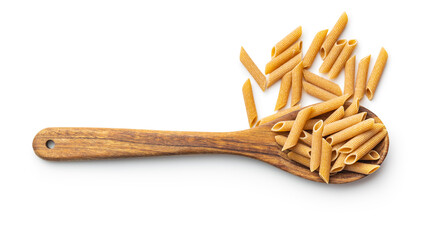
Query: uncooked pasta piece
<point>283,57</point>
<point>306,138</point>
<point>338,164</point>
<point>297,128</point>
<point>299,148</point>
<point>361,77</point>
<point>283,69</point>
<point>249,103</point>
<point>316,146</point>
<point>351,131</point>
<point>252,69</point>
<point>298,158</point>
<point>343,123</point>
<point>349,76</point>
<point>371,156</point>
<point>277,115</point>
<point>286,42</point>
<point>314,48</point>
<point>317,91</point>
<point>285,126</point>
<point>328,106</point>
<point>352,109</point>
<point>364,168</point>
<point>283,94</point>
<point>376,73</point>
<point>325,164</point>
<point>342,58</point>
<point>334,151</point>
<point>336,115</point>
<point>322,83</point>
<point>332,56</point>
<point>296,84</point>
<point>360,139</point>
<point>333,35</point>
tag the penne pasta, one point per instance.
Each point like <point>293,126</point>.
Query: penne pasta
<point>286,42</point>
<point>325,164</point>
<point>364,168</point>
<point>283,57</point>
<point>360,139</point>
<point>283,94</point>
<point>327,106</point>
<point>314,48</point>
<point>371,156</point>
<point>361,77</point>
<point>317,91</point>
<point>365,148</point>
<point>350,132</point>
<point>332,56</point>
<point>322,83</point>
<point>306,138</point>
<point>338,164</point>
<point>283,69</point>
<point>249,103</point>
<point>285,126</point>
<point>299,148</point>
<point>298,158</point>
<point>352,109</point>
<point>343,123</point>
<point>336,115</point>
<point>333,35</point>
<point>342,58</point>
<point>297,128</point>
<point>277,115</point>
<point>296,84</point>
<point>334,151</point>
<point>376,73</point>
<point>349,76</point>
<point>252,69</point>
<point>316,146</point>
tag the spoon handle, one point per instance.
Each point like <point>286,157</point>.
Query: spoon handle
<point>63,144</point>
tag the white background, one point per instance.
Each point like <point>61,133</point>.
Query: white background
<point>174,65</point>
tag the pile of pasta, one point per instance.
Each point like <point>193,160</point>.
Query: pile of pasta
<point>344,138</point>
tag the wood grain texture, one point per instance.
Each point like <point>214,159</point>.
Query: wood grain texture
<point>102,143</point>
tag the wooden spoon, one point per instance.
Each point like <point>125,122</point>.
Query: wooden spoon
<point>258,142</point>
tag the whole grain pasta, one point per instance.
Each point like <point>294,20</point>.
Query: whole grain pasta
<point>306,138</point>
<point>327,106</point>
<point>322,83</point>
<point>285,126</point>
<point>314,48</point>
<point>333,35</point>
<point>339,163</point>
<point>277,115</point>
<point>361,77</point>
<point>317,91</point>
<point>299,148</point>
<point>297,128</point>
<point>364,168</point>
<point>332,56</point>
<point>252,69</point>
<point>342,58</point>
<point>296,84</point>
<point>360,139</point>
<point>283,57</point>
<point>349,76</point>
<point>371,156</point>
<point>351,131</point>
<point>325,164</point>
<point>352,109</point>
<point>376,73</point>
<point>343,123</point>
<point>336,115</point>
<point>286,42</point>
<point>316,146</point>
<point>298,158</point>
<point>283,69</point>
<point>284,91</point>
<point>249,103</point>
